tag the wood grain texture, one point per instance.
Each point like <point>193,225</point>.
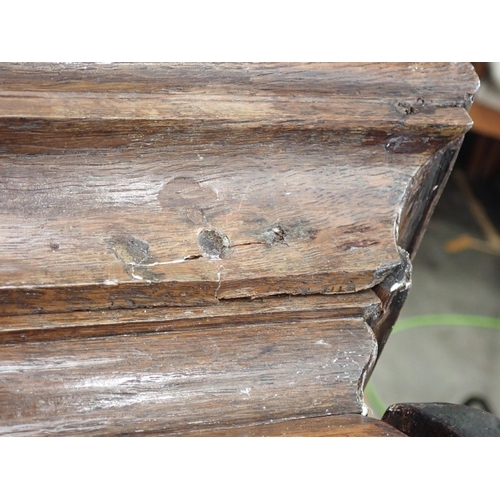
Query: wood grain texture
<point>133,239</point>
<point>443,83</point>
<point>119,217</point>
<point>333,426</point>
<point>193,249</point>
<point>86,324</point>
<point>179,381</point>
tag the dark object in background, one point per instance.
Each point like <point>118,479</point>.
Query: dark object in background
<point>441,420</point>
<point>477,402</point>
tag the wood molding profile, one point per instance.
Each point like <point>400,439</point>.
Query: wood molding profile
<point>193,248</point>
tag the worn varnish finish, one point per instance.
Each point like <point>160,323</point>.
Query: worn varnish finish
<point>191,247</point>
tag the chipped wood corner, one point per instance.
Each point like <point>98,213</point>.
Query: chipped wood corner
<point>420,199</point>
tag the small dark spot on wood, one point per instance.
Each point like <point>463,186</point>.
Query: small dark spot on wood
<point>192,257</point>
<point>275,235</point>
<point>131,250</point>
<point>412,108</point>
<point>355,228</point>
<point>54,246</point>
<point>354,245</point>
<point>214,243</point>
<point>135,254</point>
<point>404,108</point>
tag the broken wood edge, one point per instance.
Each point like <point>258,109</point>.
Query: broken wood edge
<point>392,293</point>
<point>28,299</point>
<point>420,200</point>
<point>428,185</point>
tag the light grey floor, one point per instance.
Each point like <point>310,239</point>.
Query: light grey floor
<point>445,364</point>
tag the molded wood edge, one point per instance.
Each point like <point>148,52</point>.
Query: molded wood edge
<point>169,383</point>
<point>92,324</point>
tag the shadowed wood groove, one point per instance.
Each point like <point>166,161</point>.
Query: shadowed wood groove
<point>52,327</point>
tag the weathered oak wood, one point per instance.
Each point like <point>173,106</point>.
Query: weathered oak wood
<point>443,83</point>
<point>334,426</point>
<point>179,381</point>
<point>47,327</point>
<point>193,249</point>
<point>135,236</point>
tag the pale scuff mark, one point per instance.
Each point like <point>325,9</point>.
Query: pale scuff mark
<point>322,342</point>
<point>219,280</point>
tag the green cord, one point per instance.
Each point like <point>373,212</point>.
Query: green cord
<point>447,320</point>
<point>371,395</point>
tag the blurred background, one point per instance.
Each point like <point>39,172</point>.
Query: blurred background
<point>446,344</point>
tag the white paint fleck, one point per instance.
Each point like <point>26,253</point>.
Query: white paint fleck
<point>322,342</point>
<point>246,391</point>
